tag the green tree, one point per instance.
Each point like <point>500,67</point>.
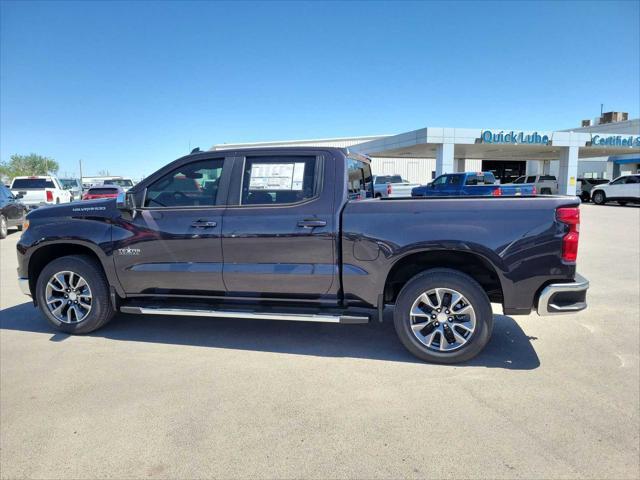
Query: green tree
<point>31,164</point>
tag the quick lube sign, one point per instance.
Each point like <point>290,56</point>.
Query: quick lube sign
<point>514,138</point>
<point>615,141</point>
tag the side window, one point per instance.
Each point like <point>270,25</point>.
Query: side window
<point>531,179</point>
<point>191,185</point>
<point>519,180</point>
<point>360,181</point>
<point>619,181</point>
<point>633,179</point>
<point>441,180</point>
<point>454,180</point>
<point>278,180</point>
<point>471,180</point>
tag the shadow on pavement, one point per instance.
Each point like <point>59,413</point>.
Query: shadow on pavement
<point>509,347</point>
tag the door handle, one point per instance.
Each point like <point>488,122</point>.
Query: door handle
<point>204,224</point>
<point>312,223</point>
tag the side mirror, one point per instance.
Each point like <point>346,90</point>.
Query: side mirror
<point>126,202</point>
<point>18,196</point>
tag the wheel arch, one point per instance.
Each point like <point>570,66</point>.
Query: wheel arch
<point>48,252</point>
<point>473,264</point>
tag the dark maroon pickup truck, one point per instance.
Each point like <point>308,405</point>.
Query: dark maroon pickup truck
<point>293,234</point>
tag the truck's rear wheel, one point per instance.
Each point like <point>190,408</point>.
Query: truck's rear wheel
<point>73,294</point>
<point>443,316</point>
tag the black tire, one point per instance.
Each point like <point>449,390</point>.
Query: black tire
<point>101,308</point>
<point>545,191</point>
<point>585,197</point>
<point>444,278</point>
<point>623,202</point>
<point>4,228</point>
<point>599,198</point>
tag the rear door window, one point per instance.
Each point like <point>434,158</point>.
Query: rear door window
<point>279,180</point>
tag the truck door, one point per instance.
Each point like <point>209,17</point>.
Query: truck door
<point>279,232</point>
<point>173,244</point>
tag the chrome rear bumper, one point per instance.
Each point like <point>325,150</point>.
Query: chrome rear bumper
<point>24,286</point>
<point>559,298</point>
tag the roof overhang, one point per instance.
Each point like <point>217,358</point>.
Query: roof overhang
<point>499,144</point>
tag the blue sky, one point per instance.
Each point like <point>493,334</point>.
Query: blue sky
<point>129,86</point>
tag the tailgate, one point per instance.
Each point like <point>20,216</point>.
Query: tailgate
<point>31,196</point>
<point>402,189</point>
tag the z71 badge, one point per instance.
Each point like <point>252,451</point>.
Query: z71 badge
<point>128,251</point>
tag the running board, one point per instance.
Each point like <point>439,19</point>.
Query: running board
<point>292,317</point>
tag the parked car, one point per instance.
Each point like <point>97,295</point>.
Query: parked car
<point>37,191</point>
<point>102,191</point>
<point>74,186</point>
<point>470,183</point>
<point>12,211</point>
<point>392,186</point>
<point>624,189</point>
<point>271,234</point>
<point>586,185</point>
<point>545,184</point>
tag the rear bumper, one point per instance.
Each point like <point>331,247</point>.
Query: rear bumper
<point>24,286</point>
<point>558,298</point>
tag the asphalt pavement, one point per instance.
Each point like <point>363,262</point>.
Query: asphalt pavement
<point>153,397</point>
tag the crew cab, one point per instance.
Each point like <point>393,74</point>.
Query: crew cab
<point>393,186</point>
<point>37,191</point>
<point>470,183</point>
<point>293,234</point>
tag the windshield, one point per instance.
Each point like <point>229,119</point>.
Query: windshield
<point>68,182</point>
<point>384,179</point>
<point>32,183</point>
<point>122,182</point>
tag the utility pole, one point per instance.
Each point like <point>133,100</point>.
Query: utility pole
<point>601,109</point>
<point>80,161</point>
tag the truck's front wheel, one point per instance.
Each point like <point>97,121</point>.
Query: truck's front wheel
<point>73,294</point>
<point>443,316</point>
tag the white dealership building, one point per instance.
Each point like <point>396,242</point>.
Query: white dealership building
<point>604,150</point>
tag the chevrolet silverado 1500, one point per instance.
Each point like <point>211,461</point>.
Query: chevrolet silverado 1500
<point>293,234</point>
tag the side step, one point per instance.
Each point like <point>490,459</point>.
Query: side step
<point>292,317</point>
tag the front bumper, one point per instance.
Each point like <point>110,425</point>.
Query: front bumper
<point>558,298</point>
<point>24,286</point>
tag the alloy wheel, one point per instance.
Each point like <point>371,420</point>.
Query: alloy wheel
<point>4,230</point>
<point>68,297</point>
<point>442,319</point>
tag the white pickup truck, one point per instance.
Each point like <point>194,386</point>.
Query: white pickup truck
<point>545,184</point>
<point>41,190</point>
<point>392,186</point>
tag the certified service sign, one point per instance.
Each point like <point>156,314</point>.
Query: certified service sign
<point>616,141</point>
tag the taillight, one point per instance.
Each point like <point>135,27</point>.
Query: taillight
<point>49,196</point>
<point>535,191</point>
<point>570,216</point>
<point>389,189</point>
<point>496,192</point>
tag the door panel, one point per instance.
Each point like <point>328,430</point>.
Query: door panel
<point>280,241</point>
<point>172,245</point>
